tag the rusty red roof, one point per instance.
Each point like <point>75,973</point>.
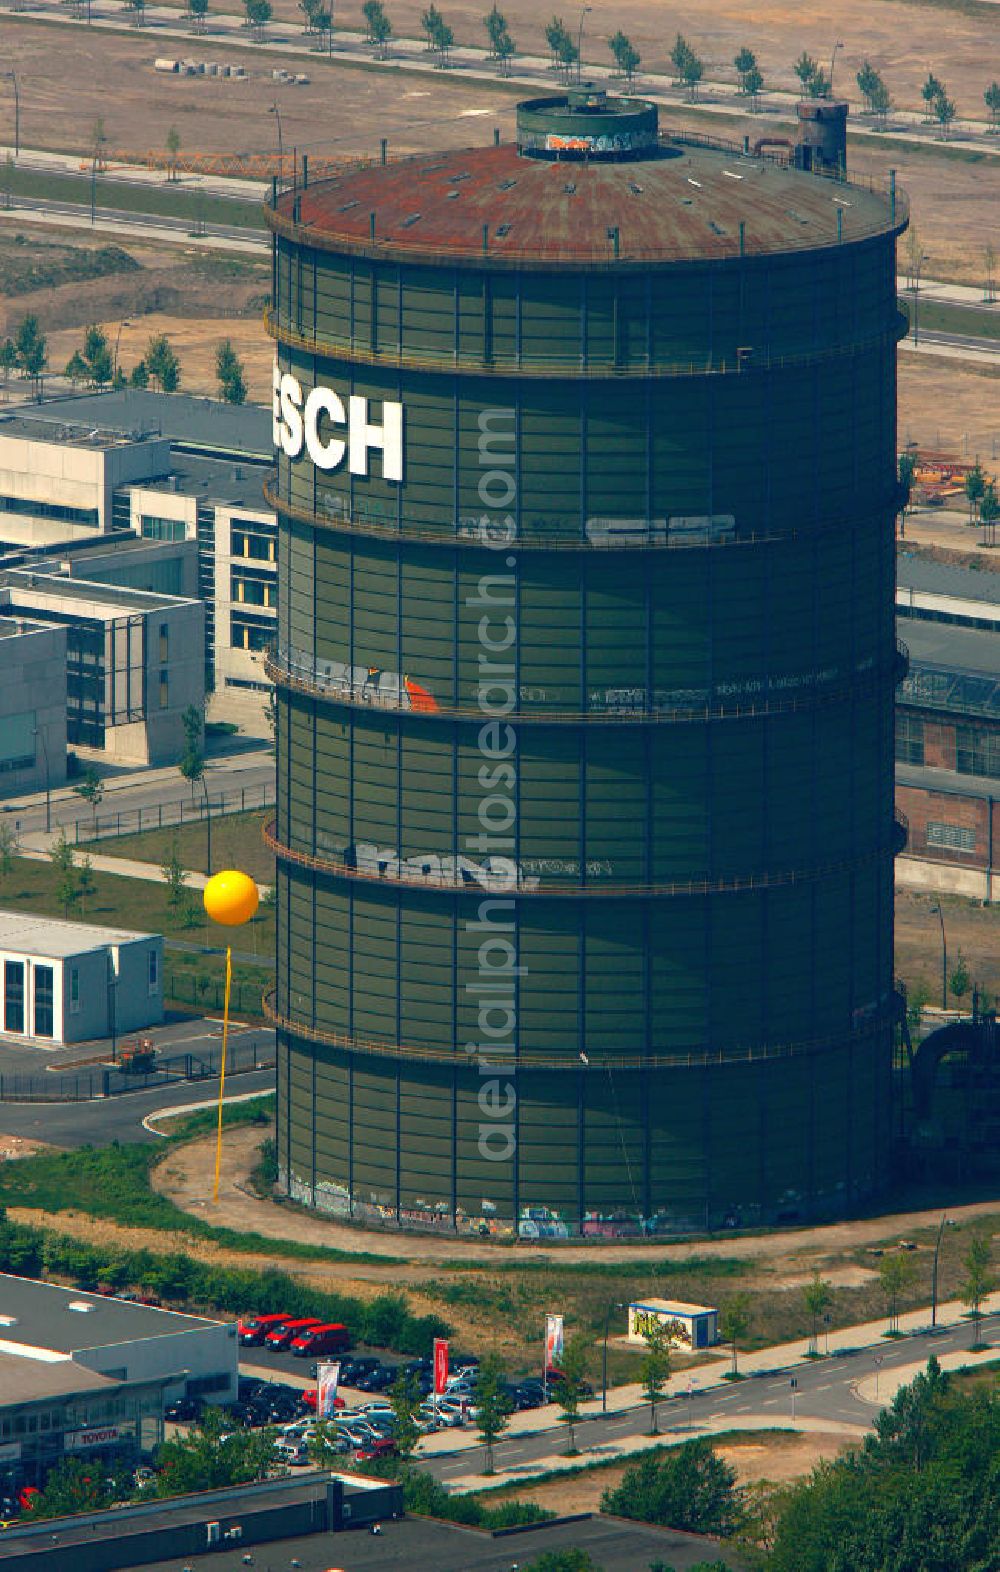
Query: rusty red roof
<point>682,203</point>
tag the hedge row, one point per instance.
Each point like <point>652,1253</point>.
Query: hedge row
<point>184,1282</point>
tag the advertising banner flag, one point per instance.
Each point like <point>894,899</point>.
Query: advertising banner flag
<point>440,1366</point>
<point>553,1341</point>
<point>327,1381</point>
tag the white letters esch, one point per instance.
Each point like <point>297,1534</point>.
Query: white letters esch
<point>296,424</point>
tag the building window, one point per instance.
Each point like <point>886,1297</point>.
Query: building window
<point>251,633</point>
<point>164,690</point>
<point>977,752</point>
<point>43,1001</point>
<point>956,837</point>
<point>164,643</point>
<point>153,528</point>
<point>154,971</point>
<point>28,508</point>
<point>909,738</point>
<point>74,990</point>
<point>13,996</point>
<point>255,541</point>
<point>250,587</point>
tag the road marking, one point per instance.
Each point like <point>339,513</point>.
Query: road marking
<point>826,1386</point>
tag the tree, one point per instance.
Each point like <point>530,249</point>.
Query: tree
<point>687,1487</point>
<point>404,1397</point>
<point>64,862</point>
<point>569,1391</point>
<point>30,348</point>
<point>734,1321</point>
<point>906,470</point>
<point>896,1273</point>
<point>94,363</point>
<point>311,10</point>
<point>91,789</point>
<point>378,27</point>
<point>202,1460</point>
<point>975,487</point>
<point>501,43</point>
<point>991,98</point>
<point>86,884</point>
<point>819,84</point>
<point>979,1280</point>
<point>140,375</point>
<point>655,1369</point>
<point>174,877</point>
<point>162,363</point>
<point>745,62</point>
<point>198,12</point>
<point>626,56</point>
<point>691,73</point>
<point>931,90</point>
<point>492,1405</point>
<point>173,148</point>
<point>568,56</point>
<point>881,104</point>
<point>805,69</point>
<point>230,373</point>
<point>960,978</point>
<point>572,1560</point>
<point>258,14</point>
<point>555,33</point>
<point>430,21</point>
<point>138,10</point>
<point>8,848</point>
<point>192,760</point>
<point>989,511</point>
<point>73,1486</point>
<point>918,997</point>
<point>816,1296</point>
<point>679,56</point>
<point>944,112</point>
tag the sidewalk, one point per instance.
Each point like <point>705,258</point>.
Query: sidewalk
<point>780,1357</point>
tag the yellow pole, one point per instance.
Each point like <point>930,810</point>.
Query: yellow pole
<point>222,1070</point>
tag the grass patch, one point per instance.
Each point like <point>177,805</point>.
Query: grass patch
<point>237,842</point>
<point>123,197</point>
<point>935,316</point>
<point>127,903</point>
<point>113,1182</point>
<point>197,982</point>
<point>38,264</point>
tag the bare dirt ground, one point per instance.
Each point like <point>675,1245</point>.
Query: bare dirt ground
<point>973,929</point>
<point>776,1458</point>
<point>947,405</point>
<point>185,1176</point>
<point>346,108</point>
<point>14,1146</point>
<point>194,341</point>
<point>899,39</point>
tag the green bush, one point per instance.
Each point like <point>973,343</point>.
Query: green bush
<point>423,1494</point>
<point>687,1487</point>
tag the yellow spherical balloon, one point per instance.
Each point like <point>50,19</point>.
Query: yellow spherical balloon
<point>231,897</point>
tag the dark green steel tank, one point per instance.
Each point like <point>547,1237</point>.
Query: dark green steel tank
<point>585,670</point>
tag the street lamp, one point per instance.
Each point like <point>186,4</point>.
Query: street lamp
<point>944,956</point>
<point>40,736</point>
<point>613,1305</point>
<point>11,76</point>
<point>124,323</point>
<point>276,112</point>
<point>833,61</point>
<point>579,42</point>
<point>922,258</point>
<point>934,1269</point>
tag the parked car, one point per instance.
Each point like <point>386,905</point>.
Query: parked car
<point>385,1447</point>
<point>352,1370</point>
<point>527,1395</point>
<point>554,1376</point>
<point>332,1338</point>
<point>281,1336</point>
<point>253,1329</point>
<point>379,1380</point>
<point>184,1410</point>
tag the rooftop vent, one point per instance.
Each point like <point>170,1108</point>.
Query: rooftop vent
<point>410,220</point>
<point>502,229</point>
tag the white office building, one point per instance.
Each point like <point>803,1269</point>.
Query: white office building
<point>70,982</point>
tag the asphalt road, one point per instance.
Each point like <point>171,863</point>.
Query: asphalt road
<point>824,1392</point>
<point>226,775</point>
<point>119,1118</point>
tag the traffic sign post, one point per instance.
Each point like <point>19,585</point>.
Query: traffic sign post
<point>793,1383</point>
<point>876,1361</point>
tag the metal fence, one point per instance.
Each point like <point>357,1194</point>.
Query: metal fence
<point>108,1080</point>
<point>208,993</point>
<point>164,815</point>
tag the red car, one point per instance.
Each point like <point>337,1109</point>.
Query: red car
<point>281,1336</point>
<point>253,1329</point>
<point>386,1447</point>
<point>325,1338</point>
